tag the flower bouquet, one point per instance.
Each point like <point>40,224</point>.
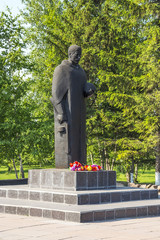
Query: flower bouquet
<point>77,166</point>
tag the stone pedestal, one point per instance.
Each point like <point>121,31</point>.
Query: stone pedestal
<point>65,179</point>
<point>52,194</point>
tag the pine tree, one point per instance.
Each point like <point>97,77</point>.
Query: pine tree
<point>118,57</point>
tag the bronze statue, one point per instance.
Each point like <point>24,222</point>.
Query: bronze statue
<point>69,90</point>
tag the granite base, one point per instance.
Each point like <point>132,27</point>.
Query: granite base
<point>70,180</point>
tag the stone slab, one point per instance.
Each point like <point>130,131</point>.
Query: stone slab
<point>71,180</point>
<point>85,213</point>
<point>78,197</point>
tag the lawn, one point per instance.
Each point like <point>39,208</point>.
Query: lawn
<point>4,174</point>
<point>147,176</point>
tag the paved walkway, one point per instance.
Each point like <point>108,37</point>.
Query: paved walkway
<point>14,227</point>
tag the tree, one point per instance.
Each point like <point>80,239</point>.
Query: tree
<point>14,112</point>
<point>20,128</point>
<point>113,36</point>
<point>148,124</point>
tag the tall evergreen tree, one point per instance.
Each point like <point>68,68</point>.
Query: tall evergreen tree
<point>114,36</point>
<point>147,125</point>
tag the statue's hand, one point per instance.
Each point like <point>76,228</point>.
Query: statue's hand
<point>61,118</point>
<point>89,90</point>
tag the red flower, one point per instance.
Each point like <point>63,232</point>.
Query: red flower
<point>85,167</point>
<point>94,168</point>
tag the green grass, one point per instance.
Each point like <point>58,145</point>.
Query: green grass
<point>147,176</point>
<point>4,174</point>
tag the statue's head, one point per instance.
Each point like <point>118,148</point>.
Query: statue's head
<point>74,54</point>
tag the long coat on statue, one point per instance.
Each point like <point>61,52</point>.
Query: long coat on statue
<point>69,89</point>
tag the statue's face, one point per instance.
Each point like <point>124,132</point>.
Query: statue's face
<point>75,57</point>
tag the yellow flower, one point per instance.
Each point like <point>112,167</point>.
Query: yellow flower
<point>89,168</point>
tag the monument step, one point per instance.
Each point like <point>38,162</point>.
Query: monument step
<point>78,197</point>
<point>81,213</point>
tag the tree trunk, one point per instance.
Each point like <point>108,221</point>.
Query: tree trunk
<point>101,155</point>
<point>112,165</point>
<point>107,164</point>
<point>21,167</point>
<point>14,165</point>
<point>132,172</point>
<point>136,173</point>
<point>106,160</point>
<point>128,177</point>
<point>157,164</point>
<point>91,156</point>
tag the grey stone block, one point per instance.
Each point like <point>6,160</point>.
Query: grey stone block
<point>83,199</point>
<point>110,215</point>
<point>92,180</point>
<point>100,182</point>
<point>58,179</point>
<point>12,193</point>
<point>106,179</point>
<point>47,213</point>
<point>141,211</point>
<point>73,216</point>
<point>34,178</point>
<point>94,198</point>
<point>59,215</point>
<point>2,210</point>
<point>10,209</point>
<point>81,179</point>
<point>59,198</point>
<point>23,211</point>
<point>69,179</point>
<point>70,199</point>
<point>144,195</point>
<point>153,194</point>
<point>135,195</point>
<point>99,215</point>
<point>116,197</point>
<point>36,212</point>
<point>48,197</point>
<point>86,217</point>
<point>152,210</point>
<point>158,210</point>
<point>34,196</point>
<point>105,197</point>
<point>23,194</point>
<point>131,212</point>
<point>120,213</point>
<point>47,179</point>
<point>102,179</point>
<point>2,193</point>
<point>126,196</point>
<point>111,179</point>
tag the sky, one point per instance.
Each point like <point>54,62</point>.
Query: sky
<point>14,5</point>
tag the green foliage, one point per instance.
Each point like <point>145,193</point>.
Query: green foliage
<point>120,43</point>
<point>23,134</point>
<point>13,112</point>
